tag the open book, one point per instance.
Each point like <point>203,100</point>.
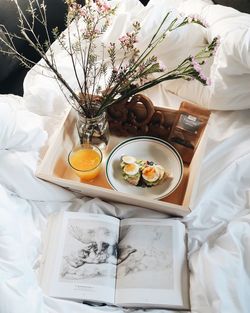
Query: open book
<point>131,262</point>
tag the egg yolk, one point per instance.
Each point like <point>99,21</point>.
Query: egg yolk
<point>129,168</point>
<point>149,173</point>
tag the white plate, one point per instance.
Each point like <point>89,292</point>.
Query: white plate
<point>151,149</point>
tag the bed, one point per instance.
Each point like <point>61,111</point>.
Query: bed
<point>219,224</point>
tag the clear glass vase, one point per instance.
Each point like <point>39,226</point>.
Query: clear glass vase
<point>94,130</point>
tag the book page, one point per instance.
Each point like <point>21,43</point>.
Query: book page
<point>151,264</point>
<point>82,265</point>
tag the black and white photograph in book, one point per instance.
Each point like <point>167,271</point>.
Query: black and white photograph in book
<point>89,253</point>
<point>149,261</point>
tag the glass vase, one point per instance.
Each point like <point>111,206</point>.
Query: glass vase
<point>94,130</point>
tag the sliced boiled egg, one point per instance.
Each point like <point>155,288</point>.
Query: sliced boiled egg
<point>150,173</point>
<point>128,159</point>
<point>161,170</point>
<point>131,169</point>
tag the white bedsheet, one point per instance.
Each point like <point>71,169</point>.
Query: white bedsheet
<point>219,225</point>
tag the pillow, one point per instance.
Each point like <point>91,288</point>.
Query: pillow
<point>230,68</point>
<point>19,129</point>
<point>171,50</point>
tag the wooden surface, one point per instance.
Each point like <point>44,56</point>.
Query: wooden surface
<point>54,168</point>
<point>139,117</point>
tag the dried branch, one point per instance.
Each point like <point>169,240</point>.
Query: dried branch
<point>128,75</point>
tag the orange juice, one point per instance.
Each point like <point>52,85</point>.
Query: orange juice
<point>86,161</point>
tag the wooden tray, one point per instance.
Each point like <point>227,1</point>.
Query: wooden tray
<point>54,168</point>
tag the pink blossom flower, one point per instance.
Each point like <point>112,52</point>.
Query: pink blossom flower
<point>198,69</point>
<point>196,18</point>
<point>204,23</point>
<point>123,39</point>
<point>217,44</point>
<point>196,65</point>
<point>75,7</point>
<point>128,40</point>
<point>208,81</point>
<point>103,6</point>
<point>202,76</point>
<point>162,66</point>
<point>83,12</point>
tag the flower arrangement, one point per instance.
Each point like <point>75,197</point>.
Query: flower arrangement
<point>106,74</point>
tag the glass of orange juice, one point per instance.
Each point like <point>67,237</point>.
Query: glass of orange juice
<point>85,160</point>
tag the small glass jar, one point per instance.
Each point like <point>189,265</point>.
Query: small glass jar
<point>93,130</point>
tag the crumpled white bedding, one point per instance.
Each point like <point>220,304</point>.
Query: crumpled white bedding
<point>218,227</point>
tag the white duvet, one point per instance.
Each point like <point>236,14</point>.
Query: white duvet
<point>218,227</point>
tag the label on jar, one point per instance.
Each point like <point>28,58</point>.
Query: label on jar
<point>189,123</point>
